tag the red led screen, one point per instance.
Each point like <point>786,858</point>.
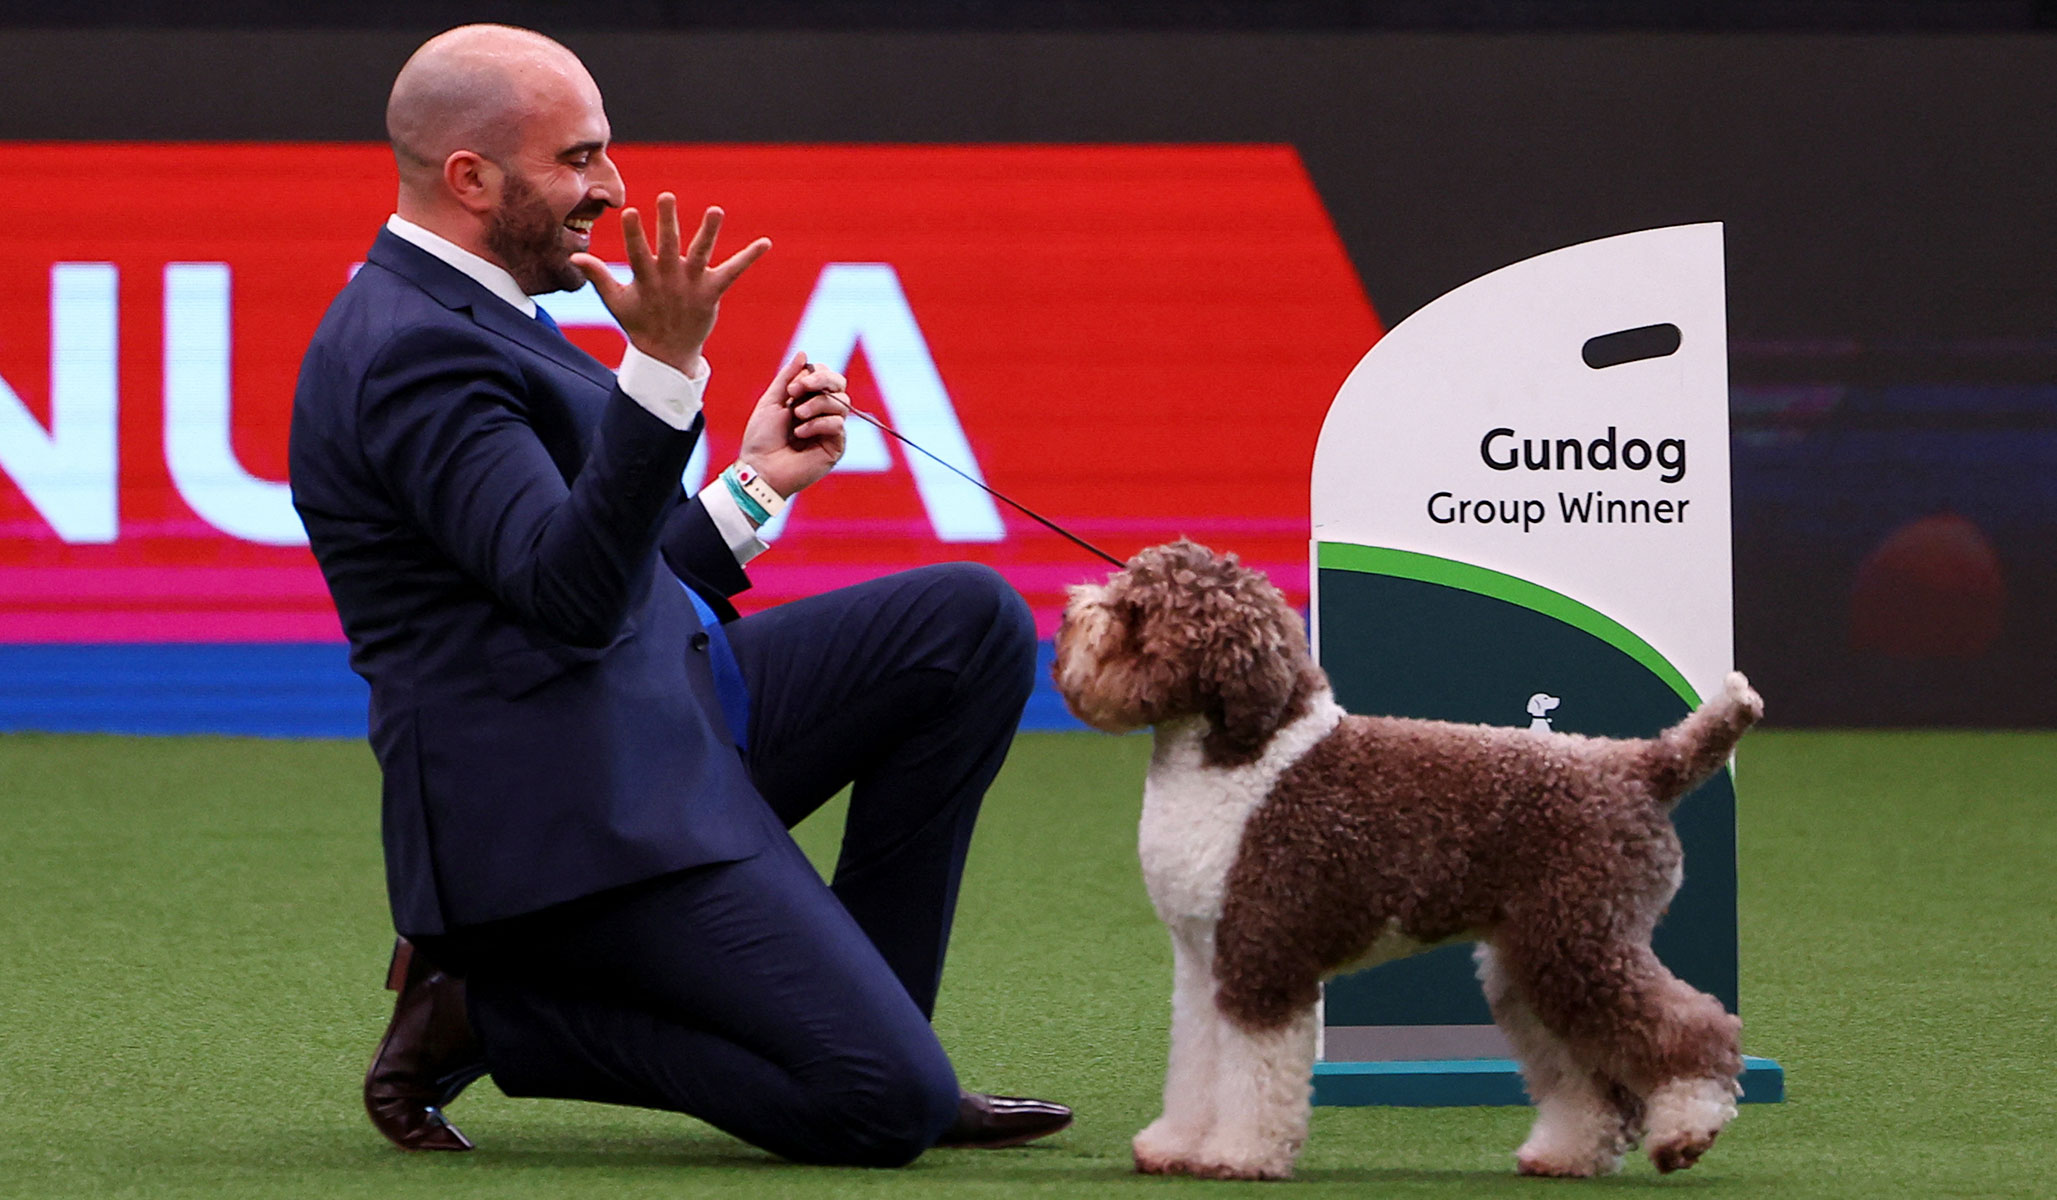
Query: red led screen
<point>1138,342</point>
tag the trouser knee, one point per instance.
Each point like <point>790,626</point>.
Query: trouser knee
<point>995,623</point>
<point>887,1120</point>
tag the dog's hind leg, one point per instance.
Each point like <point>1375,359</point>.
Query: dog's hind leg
<point>1634,1021</point>
<point>1170,1144</point>
<point>1263,1094</point>
<point>1700,1062</point>
<point>1584,1123</point>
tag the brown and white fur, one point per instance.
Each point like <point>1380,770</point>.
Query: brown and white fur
<point>1284,841</point>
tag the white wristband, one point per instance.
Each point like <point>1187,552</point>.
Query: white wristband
<point>751,491</point>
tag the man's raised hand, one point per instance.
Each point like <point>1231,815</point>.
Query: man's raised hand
<point>668,307</point>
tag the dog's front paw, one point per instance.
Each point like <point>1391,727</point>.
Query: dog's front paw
<point>1165,1148</point>
<point>1148,1165</point>
<point>1260,1170</point>
<point>1221,1159</point>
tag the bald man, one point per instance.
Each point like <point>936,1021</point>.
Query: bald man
<point>588,774</point>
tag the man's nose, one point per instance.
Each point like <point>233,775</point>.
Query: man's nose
<point>606,184</point>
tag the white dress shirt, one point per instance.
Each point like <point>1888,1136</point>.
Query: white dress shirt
<point>662,390</point>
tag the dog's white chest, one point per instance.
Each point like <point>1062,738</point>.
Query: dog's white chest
<point>1194,814</point>
<point>1193,818</point>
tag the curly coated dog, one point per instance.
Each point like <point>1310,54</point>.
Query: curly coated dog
<point>1284,841</point>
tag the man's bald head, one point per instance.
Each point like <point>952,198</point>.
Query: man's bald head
<point>501,140</point>
<point>472,88</point>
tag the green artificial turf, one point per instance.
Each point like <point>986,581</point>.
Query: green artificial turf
<point>192,935</point>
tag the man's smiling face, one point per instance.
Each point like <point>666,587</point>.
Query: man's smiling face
<point>554,186</point>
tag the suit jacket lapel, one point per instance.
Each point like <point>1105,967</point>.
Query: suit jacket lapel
<point>459,292</point>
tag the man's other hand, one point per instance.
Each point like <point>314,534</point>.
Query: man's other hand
<point>667,309</point>
<point>795,434</point>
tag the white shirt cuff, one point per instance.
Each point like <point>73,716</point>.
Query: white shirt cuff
<point>664,391</point>
<point>729,521</point>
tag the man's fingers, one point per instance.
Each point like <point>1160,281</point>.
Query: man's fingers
<point>635,243</point>
<point>599,276</point>
<point>818,427</point>
<point>775,394</point>
<point>739,262</point>
<point>817,379</point>
<point>820,404</point>
<point>702,248</point>
<point>668,227</point>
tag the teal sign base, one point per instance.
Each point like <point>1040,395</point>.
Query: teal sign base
<point>1462,1082</point>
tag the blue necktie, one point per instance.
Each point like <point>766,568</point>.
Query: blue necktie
<point>729,687</point>
<point>549,322</point>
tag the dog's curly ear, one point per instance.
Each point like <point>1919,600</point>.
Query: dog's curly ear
<point>1256,654</point>
<point>1252,695</point>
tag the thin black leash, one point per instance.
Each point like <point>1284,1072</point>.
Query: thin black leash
<point>1025,510</point>
<point>1030,513</point>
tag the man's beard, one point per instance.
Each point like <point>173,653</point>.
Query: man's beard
<point>528,239</point>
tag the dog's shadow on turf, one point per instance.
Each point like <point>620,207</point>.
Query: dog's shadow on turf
<point>1472,1183</point>
<point>1047,1164</point>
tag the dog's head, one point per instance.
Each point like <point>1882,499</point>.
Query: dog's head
<point>1183,632</point>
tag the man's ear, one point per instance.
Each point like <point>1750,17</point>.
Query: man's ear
<point>473,179</point>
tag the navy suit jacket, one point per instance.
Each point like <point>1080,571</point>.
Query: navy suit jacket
<point>503,532</point>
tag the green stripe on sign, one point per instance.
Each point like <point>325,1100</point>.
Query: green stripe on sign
<point>1406,564</point>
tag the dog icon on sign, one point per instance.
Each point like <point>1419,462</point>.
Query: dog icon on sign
<point>1539,706</point>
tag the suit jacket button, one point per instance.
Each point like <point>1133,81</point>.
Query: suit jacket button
<point>700,640</point>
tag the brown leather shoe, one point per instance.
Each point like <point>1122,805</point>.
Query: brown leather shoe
<point>428,1055</point>
<point>991,1122</point>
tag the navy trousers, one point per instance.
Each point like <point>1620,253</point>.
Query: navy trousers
<point>787,1012</point>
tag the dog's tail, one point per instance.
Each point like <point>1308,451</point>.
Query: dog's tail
<point>1679,759</point>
